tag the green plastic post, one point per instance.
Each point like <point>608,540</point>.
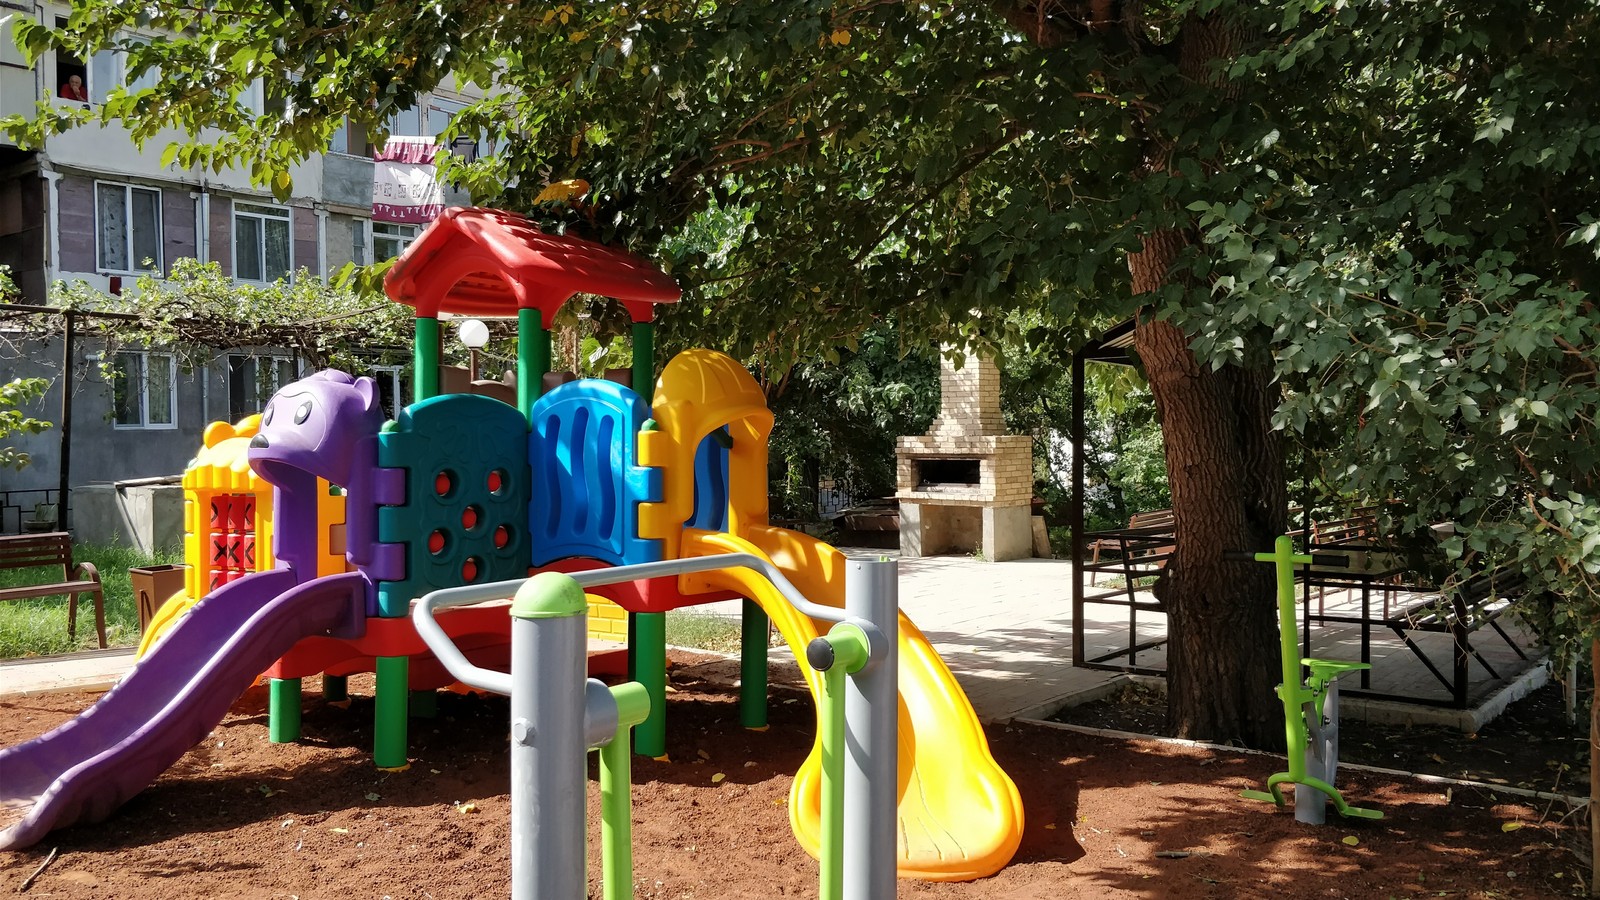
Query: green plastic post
<point>391,712</point>
<point>533,359</point>
<point>335,688</point>
<point>850,651</point>
<point>425,360</point>
<point>644,362</point>
<point>1291,691</point>
<point>650,670</point>
<point>283,710</point>
<point>753,666</point>
<point>616,794</point>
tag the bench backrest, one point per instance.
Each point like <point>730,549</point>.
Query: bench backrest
<point>27,551</point>
<point>1153,519</point>
<point>1362,525</point>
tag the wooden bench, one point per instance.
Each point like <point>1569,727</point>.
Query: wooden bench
<point>1160,518</point>
<point>35,551</point>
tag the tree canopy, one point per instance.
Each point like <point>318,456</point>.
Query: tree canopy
<point>1375,223</point>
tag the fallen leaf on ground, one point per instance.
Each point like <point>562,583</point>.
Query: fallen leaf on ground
<point>1350,840</point>
<point>717,777</point>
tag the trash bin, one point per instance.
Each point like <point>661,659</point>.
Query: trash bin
<point>153,586</point>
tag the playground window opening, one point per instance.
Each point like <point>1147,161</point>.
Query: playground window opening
<point>942,472</point>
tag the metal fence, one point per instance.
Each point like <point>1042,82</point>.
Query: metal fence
<point>16,507</point>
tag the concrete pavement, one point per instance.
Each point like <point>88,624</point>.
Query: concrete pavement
<point>1005,630</point>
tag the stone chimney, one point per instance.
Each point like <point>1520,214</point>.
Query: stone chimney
<point>969,398</point>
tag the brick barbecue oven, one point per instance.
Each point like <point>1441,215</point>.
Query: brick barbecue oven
<point>966,485</point>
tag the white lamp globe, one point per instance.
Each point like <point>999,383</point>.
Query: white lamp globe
<point>473,334</point>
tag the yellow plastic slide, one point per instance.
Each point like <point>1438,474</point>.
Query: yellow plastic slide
<point>960,815</point>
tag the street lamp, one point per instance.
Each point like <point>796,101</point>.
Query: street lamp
<point>473,334</point>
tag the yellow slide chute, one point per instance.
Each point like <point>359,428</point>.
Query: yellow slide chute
<point>959,813</point>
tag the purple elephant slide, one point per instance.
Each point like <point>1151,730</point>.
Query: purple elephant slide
<point>86,768</point>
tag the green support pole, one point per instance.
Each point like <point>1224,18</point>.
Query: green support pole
<point>644,381</point>
<point>283,710</point>
<point>425,360</point>
<point>616,795</point>
<point>650,738</point>
<point>633,641</point>
<point>753,666</point>
<point>533,359</point>
<point>391,713</point>
<point>424,704</point>
<point>335,688</point>
<point>848,648</point>
<point>644,360</point>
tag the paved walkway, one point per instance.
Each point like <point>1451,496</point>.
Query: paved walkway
<point>1005,630</point>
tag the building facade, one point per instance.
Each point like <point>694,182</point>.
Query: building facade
<point>90,206</point>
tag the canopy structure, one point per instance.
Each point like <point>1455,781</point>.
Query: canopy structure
<point>488,262</point>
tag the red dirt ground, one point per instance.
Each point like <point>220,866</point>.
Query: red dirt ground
<point>241,817</point>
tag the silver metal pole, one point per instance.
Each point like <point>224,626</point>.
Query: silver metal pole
<point>872,715</point>
<point>548,650</point>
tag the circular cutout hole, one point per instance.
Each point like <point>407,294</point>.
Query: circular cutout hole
<point>497,482</point>
<point>470,517</point>
<point>437,541</point>
<point>470,569</point>
<point>444,484</point>
<point>502,536</point>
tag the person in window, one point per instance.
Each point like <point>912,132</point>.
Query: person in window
<point>74,89</point>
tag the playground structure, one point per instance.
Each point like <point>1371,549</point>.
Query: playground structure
<point>463,490</point>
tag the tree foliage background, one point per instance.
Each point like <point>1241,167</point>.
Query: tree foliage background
<point>1382,218</point>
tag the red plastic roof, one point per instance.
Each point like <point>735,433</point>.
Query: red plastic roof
<point>488,262</point>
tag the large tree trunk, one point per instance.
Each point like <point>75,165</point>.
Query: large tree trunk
<point>1225,468</point>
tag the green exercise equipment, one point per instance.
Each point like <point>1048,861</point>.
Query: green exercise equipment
<point>1310,709</point>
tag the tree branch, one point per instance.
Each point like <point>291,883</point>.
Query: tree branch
<point>1013,131</point>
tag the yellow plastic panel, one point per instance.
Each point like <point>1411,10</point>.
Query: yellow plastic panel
<point>960,816</point>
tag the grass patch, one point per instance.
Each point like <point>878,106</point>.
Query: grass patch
<point>38,626</point>
<point>703,632</point>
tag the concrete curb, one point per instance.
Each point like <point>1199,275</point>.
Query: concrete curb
<point>1343,766</point>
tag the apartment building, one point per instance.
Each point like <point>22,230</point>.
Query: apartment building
<point>90,206</point>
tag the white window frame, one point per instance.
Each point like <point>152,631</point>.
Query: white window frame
<point>135,266</point>
<point>405,240</point>
<point>392,374</point>
<point>119,76</point>
<point>145,359</point>
<point>361,256</point>
<point>451,107</point>
<point>233,238</point>
<point>273,362</point>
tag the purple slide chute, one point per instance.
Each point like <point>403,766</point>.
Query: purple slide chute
<point>83,770</point>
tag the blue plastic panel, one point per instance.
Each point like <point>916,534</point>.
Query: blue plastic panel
<point>711,483</point>
<point>586,481</point>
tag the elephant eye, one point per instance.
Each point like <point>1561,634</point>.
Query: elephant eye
<point>303,413</point>
<point>266,417</point>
